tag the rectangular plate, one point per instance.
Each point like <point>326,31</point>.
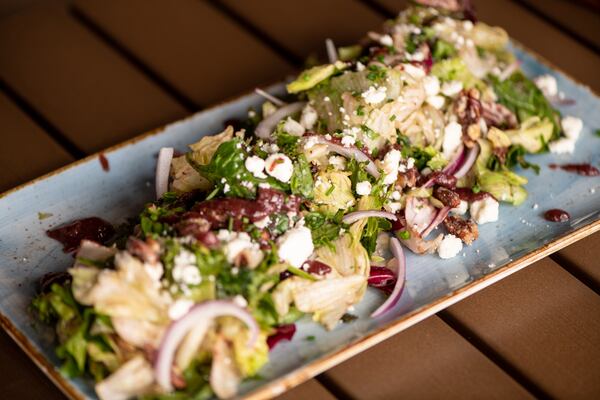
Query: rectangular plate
<point>83,189</point>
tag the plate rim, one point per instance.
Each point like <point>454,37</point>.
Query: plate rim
<point>311,369</point>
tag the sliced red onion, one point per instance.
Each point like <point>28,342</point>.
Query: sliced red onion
<point>202,313</point>
<point>380,277</point>
<point>357,215</point>
<point>351,152</point>
<point>278,102</point>
<point>163,167</point>
<point>391,301</point>
<point>282,332</point>
<point>468,162</point>
<point>419,213</point>
<point>331,51</point>
<point>441,215</point>
<point>455,161</point>
<point>561,101</point>
<point>265,128</point>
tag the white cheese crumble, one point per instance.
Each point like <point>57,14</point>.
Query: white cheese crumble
<point>185,270</point>
<point>386,40</point>
<point>360,66</point>
<point>484,210</point>
<point>256,166</point>
<point>452,88</point>
<point>263,223</point>
<point>179,308</point>
<point>461,209</point>
<point>449,247</point>
<point>436,101</point>
<point>237,243</point>
<point>396,195</point>
<point>363,188</point>
<point>374,95</point>
<point>572,127</point>
<point>390,165</point>
<point>280,167</point>
<point>392,206</point>
<point>547,84</point>
<point>293,127</point>
<point>309,117</point>
<point>295,246</point>
<point>337,162</point>
<point>562,146</point>
<point>431,84</point>
<point>452,139</point>
<point>414,71</point>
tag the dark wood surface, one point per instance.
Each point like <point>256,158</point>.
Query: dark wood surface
<point>76,77</point>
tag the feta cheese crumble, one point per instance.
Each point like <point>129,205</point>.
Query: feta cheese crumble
<point>295,246</point>
<point>572,127</point>
<point>484,210</point>
<point>293,127</point>
<point>309,117</point>
<point>449,247</point>
<point>390,165</point>
<point>374,95</point>
<point>562,146</point>
<point>431,84</point>
<point>547,84</point>
<point>185,271</point>
<point>363,188</point>
<point>452,139</point>
<point>436,101</point>
<point>280,167</point>
<point>386,40</point>
<point>461,209</point>
<point>256,166</point>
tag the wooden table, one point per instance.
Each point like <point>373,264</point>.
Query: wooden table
<point>76,77</point>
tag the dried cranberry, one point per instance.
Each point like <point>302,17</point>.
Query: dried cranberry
<point>70,235</point>
<point>282,332</point>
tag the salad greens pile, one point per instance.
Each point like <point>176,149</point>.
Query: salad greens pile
<point>418,127</point>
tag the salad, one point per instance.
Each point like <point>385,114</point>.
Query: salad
<point>406,141</point>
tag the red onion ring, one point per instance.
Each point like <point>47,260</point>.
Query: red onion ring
<point>441,215</point>
<point>265,128</point>
<point>268,96</point>
<point>455,161</point>
<point>400,279</point>
<point>419,213</point>
<point>469,160</point>
<point>357,215</point>
<point>331,51</point>
<point>351,152</point>
<point>163,167</point>
<point>201,313</point>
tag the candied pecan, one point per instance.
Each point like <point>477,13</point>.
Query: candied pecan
<point>408,178</point>
<point>147,251</point>
<point>468,110</point>
<point>446,196</point>
<point>438,178</point>
<point>500,153</point>
<point>467,231</point>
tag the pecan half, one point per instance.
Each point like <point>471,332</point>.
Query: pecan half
<point>448,197</point>
<point>467,231</point>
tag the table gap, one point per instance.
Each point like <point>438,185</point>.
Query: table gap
<point>564,28</point>
<point>333,387</point>
<point>39,119</point>
<point>154,76</point>
<point>492,355</point>
<point>257,32</point>
<point>576,271</point>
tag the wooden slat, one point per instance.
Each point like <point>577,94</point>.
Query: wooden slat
<point>26,151</point>
<point>20,378</point>
<point>193,46</point>
<point>308,390</point>
<point>79,84</point>
<point>582,259</point>
<point>545,324</point>
<point>428,361</point>
<point>536,34</point>
<point>579,21</point>
<point>301,26</point>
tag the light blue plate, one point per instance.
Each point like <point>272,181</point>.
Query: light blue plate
<point>519,238</point>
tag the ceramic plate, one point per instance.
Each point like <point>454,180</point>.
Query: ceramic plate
<point>519,238</point>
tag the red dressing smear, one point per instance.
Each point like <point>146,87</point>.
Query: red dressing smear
<point>104,162</point>
<point>556,215</point>
<point>70,235</point>
<point>581,169</point>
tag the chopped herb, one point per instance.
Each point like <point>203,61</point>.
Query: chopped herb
<point>360,110</point>
<point>310,338</point>
<point>404,234</point>
<point>43,215</point>
<point>476,188</point>
<point>393,117</point>
<point>330,190</point>
<point>301,273</point>
<point>597,132</point>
